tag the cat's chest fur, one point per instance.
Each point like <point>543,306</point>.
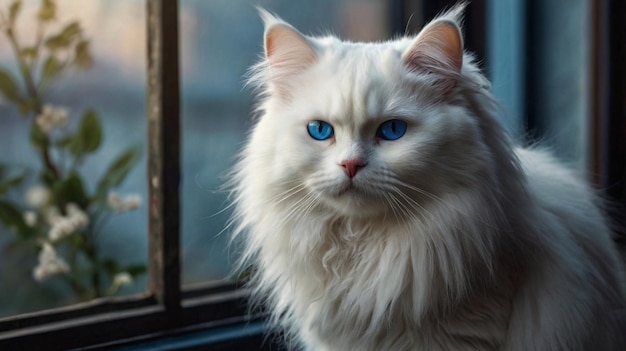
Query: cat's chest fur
<point>358,290</point>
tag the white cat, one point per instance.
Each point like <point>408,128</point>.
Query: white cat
<point>384,208</point>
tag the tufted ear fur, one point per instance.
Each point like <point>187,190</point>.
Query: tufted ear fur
<point>438,49</point>
<point>287,51</point>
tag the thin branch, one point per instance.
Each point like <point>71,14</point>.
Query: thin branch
<point>32,92</point>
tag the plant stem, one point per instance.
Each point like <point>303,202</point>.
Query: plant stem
<point>91,252</point>
<point>24,70</point>
<point>32,92</point>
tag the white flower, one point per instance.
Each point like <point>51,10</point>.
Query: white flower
<point>51,117</point>
<point>132,202</point>
<point>50,264</point>
<point>52,214</point>
<point>37,196</point>
<point>119,204</point>
<point>59,118</point>
<point>76,216</point>
<point>114,201</point>
<point>62,226</point>
<point>120,279</point>
<point>30,218</point>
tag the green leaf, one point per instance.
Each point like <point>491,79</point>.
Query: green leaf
<point>48,178</point>
<point>38,138</point>
<point>51,68</point>
<point>82,55</point>
<point>65,37</point>
<point>11,183</point>
<point>30,53</point>
<point>69,190</point>
<point>12,218</point>
<point>27,105</point>
<point>47,11</point>
<point>9,87</point>
<point>91,131</point>
<point>64,142</point>
<point>14,10</point>
<point>118,170</point>
<point>71,30</point>
<point>88,138</point>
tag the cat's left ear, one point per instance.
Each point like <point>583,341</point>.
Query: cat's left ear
<point>438,50</point>
<point>287,51</point>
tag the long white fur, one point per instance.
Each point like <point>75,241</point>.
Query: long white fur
<point>449,239</point>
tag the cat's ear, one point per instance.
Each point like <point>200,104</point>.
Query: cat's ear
<point>287,51</point>
<point>437,50</point>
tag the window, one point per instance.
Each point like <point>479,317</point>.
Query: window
<point>164,306</point>
<point>78,130</point>
<point>197,115</point>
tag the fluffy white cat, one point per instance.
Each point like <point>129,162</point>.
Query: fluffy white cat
<point>383,207</point>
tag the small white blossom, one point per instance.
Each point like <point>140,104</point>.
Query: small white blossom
<point>114,200</point>
<point>51,117</point>
<point>120,279</point>
<point>37,196</point>
<point>52,214</point>
<point>30,218</point>
<point>59,118</point>
<point>78,218</point>
<point>50,264</point>
<point>119,204</point>
<point>132,202</point>
<point>63,226</point>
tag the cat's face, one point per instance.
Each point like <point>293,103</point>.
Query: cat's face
<point>358,128</point>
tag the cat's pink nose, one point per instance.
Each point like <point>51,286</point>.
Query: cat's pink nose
<point>351,167</point>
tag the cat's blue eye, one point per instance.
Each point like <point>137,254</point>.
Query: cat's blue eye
<point>392,129</point>
<point>320,130</point>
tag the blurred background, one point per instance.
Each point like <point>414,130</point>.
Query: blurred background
<point>537,54</point>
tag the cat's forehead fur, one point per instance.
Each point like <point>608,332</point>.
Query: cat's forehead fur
<point>349,81</point>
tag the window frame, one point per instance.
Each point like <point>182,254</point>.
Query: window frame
<point>608,108</point>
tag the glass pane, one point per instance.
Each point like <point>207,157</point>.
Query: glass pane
<point>219,41</point>
<point>72,164</point>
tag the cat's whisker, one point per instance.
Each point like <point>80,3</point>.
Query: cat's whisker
<point>296,208</point>
<point>287,194</point>
<point>430,195</point>
<point>393,202</point>
<point>415,208</point>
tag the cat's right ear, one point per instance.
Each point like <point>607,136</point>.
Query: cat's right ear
<point>438,50</point>
<point>287,51</point>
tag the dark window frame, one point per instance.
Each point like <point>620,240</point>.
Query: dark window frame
<point>608,124</point>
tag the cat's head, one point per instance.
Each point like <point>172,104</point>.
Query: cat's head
<point>364,129</point>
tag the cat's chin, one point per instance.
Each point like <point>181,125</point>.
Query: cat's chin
<point>354,202</point>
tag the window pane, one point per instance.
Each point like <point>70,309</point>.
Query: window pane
<point>72,156</point>
<point>219,41</point>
